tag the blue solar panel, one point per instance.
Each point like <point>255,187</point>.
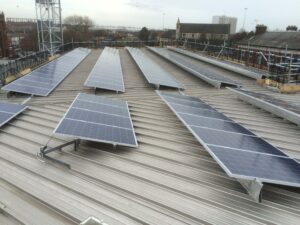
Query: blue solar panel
<point>154,74</point>
<point>186,64</point>
<point>98,119</point>
<point>8,111</point>
<point>44,79</point>
<point>239,152</point>
<point>269,168</point>
<point>107,72</point>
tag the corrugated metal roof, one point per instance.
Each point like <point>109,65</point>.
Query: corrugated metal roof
<point>169,179</point>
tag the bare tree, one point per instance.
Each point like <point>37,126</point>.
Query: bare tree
<point>77,28</point>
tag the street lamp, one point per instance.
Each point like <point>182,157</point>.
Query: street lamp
<point>245,15</point>
<point>164,21</point>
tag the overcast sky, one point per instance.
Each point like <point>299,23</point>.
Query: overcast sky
<point>276,14</point>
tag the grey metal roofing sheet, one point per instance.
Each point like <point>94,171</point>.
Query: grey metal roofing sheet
<point>169,179</point>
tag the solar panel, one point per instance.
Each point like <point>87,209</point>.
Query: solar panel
<point>107,72</point>
<point>44,79</point>
<point>194,68</point>
<point>154,74</point>
<point>8,111</point>
<point>99,119</point>
<point>241,153</point>
<point>222,64</point>
<point>273,105</point>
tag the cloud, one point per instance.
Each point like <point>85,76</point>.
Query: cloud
<point>143,6</point>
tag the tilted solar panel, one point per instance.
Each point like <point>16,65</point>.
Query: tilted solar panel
<point>99,119</point>
<point>8,111</point>
<point>241,153</point>
<point>107,72</point>
<point>273,105</point>
<point>44,79</point>
<point>154,73</point>
<point>186,64</point>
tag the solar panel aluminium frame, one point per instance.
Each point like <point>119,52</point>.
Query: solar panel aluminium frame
<point>220,64</point>
<point>216,83</point>
<point>179,85</point>
<point>90,75</point>
<point>13,116</point>
<point>250,178</point>
<point>51,89</point>
<point>269,107</point>
<point>92,139</point>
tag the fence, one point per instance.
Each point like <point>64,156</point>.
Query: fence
<point>281,67</point>
<point>14,67</point>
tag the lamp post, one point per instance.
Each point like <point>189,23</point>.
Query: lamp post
<point>245,15</point>
<point>163,21</point>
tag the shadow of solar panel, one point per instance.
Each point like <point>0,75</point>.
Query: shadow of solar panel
<point>107,72</point>
<point>154,73</point>
<point>239,152</point>
<point>8,111</point>
<point>98,119</point>
<point>44,79</point>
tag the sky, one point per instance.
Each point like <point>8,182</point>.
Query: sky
<point>158,14</point>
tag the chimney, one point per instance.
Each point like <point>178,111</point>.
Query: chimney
<point>260,29</point>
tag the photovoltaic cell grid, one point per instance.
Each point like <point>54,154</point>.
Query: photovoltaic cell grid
<point>45,78</point>
<point>249,72</point>
<point>99,119</point>
<point>274,101</point>
<point>185,63</point>
<point>107,72</point>
<point>237,150</point>
<point>154,74</point>
<point>8,111</point>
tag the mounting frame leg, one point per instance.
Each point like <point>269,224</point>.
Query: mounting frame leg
<point>44,150</point>
<point>253,187</point>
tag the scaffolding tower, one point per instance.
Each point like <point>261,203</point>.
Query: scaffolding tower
<point>49,25</point>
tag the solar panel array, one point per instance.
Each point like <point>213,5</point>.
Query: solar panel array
<point>99,119</point>
<point>249,72</point>
<point>44,79</point>
<point>107,72</point>
<point>272,100</point>
<point>275,106</point>
<point>186,64</point>
<point>154,74</point>
<point>8,111</point>
<point>237,150</point>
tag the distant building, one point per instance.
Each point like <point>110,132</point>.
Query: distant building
<point>3,37</point>
<point>226,20</point>
<point>273,41</point>
<point>18,29</point>
<point>211,33</point>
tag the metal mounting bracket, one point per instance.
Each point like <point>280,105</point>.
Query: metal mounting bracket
<point>253,187</point>
<point>44,150</point>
